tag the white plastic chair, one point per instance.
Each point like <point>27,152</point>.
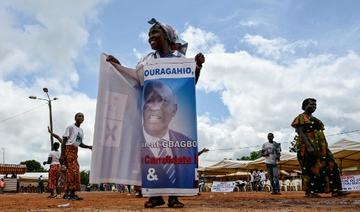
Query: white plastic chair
<point>267,185</point>
<point>284,185</point>
<point>287,184</point>
<point>298,184</point>
<point>292,186</point>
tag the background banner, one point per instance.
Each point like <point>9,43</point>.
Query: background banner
<point>118,130</point>
<point>223,186</point>
<point>350,182</point>
<point>169,147</point>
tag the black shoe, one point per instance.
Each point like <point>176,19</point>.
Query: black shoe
<point>153,202</point>
<point>76,197</point>
<point>66,196</point>
<point>339,193</point>
<point>312,195</point>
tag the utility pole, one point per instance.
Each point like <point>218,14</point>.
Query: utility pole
<point>49,100</point>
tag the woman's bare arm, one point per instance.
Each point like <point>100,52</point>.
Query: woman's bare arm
<point>200,59</point>
<point>55,135</point>
<point>122,69</point>
<point>49,160</point>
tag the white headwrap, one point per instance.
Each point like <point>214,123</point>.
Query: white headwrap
<point>181,45</point>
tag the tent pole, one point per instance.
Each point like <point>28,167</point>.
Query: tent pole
<point>341,160</point>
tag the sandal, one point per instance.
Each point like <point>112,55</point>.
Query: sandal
<point>175,204</point>
<point>52,196</point>
<point>138,194</point>
<point>153,202</point>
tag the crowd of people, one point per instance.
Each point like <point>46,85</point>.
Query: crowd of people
<point>319,170</point>
<point>257,180</point>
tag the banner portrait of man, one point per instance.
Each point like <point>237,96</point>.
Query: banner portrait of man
<point>169,150</point>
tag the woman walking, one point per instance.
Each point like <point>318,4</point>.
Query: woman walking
<point>320,172</point>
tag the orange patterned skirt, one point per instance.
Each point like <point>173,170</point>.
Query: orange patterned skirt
<point>53,176</point>
<point>72,169</point>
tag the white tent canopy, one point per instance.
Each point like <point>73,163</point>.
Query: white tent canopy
<point>288,161</point>
<point>229,164</point>
<point>346,154</point>
<point>33,175</point>
<point>225,166</point>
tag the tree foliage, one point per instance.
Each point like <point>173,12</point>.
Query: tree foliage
<point>253,156</point>
<point>84,177</point>
<point>33,166</point>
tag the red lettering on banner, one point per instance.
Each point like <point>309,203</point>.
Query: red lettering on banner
<point>167,159</point>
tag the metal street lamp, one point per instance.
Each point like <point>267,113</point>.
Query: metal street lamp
<point>49,100</point>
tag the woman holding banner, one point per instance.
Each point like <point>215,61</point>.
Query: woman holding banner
<point>165,42</point>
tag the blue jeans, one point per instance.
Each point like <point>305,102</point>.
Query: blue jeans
<point>273,171</point>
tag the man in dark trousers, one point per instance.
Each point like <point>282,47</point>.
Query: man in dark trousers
<point>41,184</point>
<point>271,151</point>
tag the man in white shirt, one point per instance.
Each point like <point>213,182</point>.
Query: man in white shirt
<point>271,151</point>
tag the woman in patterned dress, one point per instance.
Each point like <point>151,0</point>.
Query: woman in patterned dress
<point>54,170</point>
<point>62,171</point>
<point>320,172</point>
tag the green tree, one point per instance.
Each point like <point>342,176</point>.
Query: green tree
<point>33,166</point>
<point>253,156</point>
<point>84,177</point>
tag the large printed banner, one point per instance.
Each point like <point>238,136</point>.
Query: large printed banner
<point>223,186</point>
<point>118,129</point>
<point>350,183</point>
<point>169,147</point>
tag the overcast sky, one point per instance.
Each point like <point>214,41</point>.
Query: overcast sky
<point>262,59</point>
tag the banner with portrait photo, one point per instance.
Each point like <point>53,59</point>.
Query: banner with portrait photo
<point>169,148</point>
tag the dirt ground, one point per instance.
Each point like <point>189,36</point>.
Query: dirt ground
<point>207,201</point>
